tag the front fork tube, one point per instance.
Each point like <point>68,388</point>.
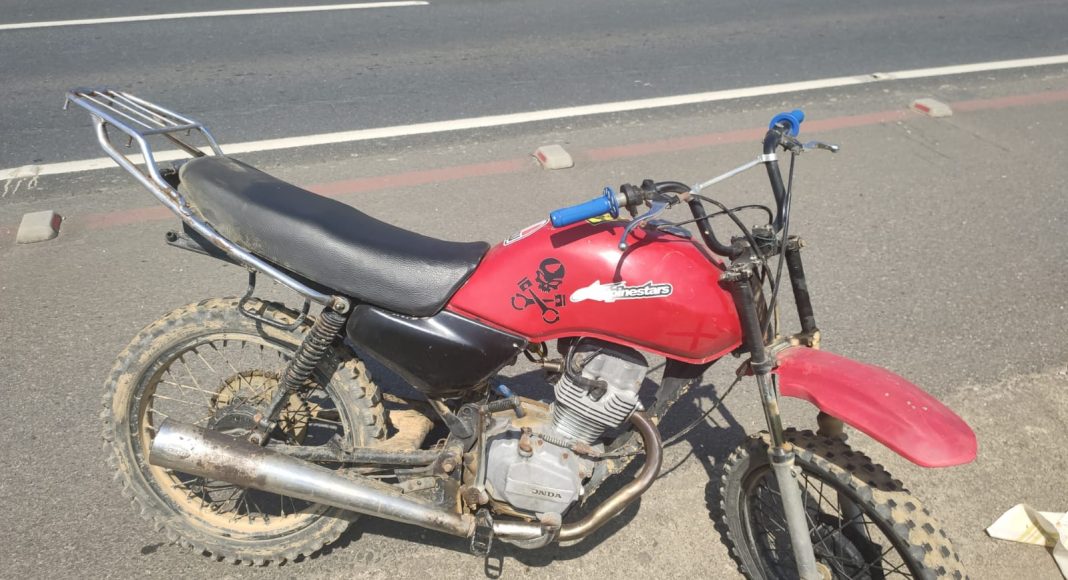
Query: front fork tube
<point>799,285</point>
<point>780,453</point>
<point>782,456</point>
<point>828,426</point>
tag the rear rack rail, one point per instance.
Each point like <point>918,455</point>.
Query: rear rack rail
<point>139,121</point>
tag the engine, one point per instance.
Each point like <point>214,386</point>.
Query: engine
<point>530,464</point>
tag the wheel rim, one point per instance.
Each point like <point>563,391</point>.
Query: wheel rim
<point>208,375</point>
<point>849,542</point>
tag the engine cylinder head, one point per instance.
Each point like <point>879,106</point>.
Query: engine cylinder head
<point>599,389</point>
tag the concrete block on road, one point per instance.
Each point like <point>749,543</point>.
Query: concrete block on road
<point>38,226</point>
<point>553,157</point>
<point>931,108</point>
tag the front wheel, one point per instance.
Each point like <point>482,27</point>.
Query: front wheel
<point>863,523</point>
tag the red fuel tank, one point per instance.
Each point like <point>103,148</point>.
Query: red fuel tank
<point>662,295</point>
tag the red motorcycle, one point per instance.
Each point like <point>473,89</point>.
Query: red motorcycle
<point>254,432</point>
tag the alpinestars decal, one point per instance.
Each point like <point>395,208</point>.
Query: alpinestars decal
<point>620,291</point>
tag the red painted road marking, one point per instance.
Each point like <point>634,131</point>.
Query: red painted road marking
<point>1014,101</point>
<point>506,166</point>
<point>673,144</point>
<point>740,136</point>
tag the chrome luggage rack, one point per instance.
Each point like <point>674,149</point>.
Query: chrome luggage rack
<point>140,120</point>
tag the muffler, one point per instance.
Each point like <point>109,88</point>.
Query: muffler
<point>190,449</point>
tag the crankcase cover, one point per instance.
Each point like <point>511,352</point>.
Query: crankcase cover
<point>549,480</point>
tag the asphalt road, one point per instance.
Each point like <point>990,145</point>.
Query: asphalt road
<point>937,246</point>
<point>935,250</point>
<point>255,77</point>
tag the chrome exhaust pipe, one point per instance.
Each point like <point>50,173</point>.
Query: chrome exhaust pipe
<point>538,534</point>
<point>611,507</point>
<point>190,449</point>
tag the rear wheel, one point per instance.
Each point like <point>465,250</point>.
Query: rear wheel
<point>209,365</point>
<point>864,524</point>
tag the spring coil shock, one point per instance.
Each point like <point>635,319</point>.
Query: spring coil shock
<point>308,356</point>
<point>312,350</point>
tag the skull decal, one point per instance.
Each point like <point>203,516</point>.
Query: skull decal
<point>545,296</point>
<point>550,275</point>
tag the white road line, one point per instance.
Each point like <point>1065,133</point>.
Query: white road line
<point>549,114</point>
<point>180,15</point>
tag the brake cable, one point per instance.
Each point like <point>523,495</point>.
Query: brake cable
<point>773,303</point>
<point>693,425</point>
<point>685,430</point>
<point>766,209</point>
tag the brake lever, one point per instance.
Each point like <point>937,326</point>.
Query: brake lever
<point>656,207</point>
<point>794,146</point>
<point>813,145</point>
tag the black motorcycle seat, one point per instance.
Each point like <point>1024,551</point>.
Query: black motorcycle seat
<point>326,241</point>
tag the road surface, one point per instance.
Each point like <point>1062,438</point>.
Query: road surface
<point>936,246</point>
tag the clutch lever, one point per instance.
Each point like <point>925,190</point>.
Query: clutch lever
<point>657,206</point>
<point>793,145</point>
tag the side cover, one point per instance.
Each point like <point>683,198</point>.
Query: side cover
<point>888,408</point>
<point>441,355</point>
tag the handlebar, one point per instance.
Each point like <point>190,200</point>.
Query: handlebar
<point>782,131</point>
<point>792,121</point>
<point>608,203</point>
<point>783,125</point>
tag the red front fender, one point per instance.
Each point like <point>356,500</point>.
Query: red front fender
<point>890,409</point>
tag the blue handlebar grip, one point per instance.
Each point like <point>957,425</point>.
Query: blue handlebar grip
<point>607,203</point>
<point>793,119</point>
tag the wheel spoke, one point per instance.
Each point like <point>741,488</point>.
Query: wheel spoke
<point>201,357</point>
<point>781,524</point>
<point>158,396</point>
<point>189,372</point>
<point>839,529</point>
<point>258,395</point>
<point>323,421</point>
<point>184,387</point>
<point>877,559</point>
<point>158,412</point>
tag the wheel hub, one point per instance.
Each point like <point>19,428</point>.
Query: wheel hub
<point>243,399</point>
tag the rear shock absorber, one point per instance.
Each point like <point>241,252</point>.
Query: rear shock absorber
<point>311,352</point>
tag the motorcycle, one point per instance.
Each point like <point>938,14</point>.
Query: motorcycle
<point>253,432</point>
